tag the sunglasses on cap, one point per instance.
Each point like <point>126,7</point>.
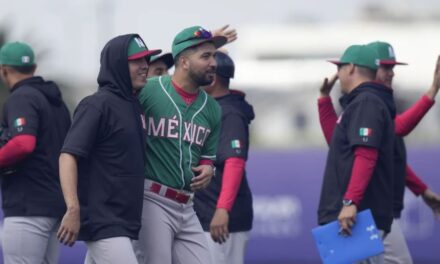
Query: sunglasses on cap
<point>201,33</point>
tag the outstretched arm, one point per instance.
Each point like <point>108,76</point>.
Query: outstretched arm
<point>408,120</point>
<point>418,187</point>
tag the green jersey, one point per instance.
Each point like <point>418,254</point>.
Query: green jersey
<point>179,135</point>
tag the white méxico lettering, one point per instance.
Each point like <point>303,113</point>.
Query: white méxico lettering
<point>172,125</point>
<point>169,128</point>
<point>156,130</point>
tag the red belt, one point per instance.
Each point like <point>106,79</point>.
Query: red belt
<point>170,193</point>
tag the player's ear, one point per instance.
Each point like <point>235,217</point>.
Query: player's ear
<point>3,72</point>
<point>351,68</point>
<point>34,68</point>
<point>184,61</point>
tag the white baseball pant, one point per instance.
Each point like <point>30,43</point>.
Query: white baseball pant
<point>30,240</point>
<point>230,252</point>
<point>396,249</point>
<point>171,233</point>
<point>114,250</point>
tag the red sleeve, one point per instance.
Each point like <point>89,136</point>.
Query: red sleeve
<point>363,167</point>
<point>414,183</point>
<point>16,149</point>
<point>408,120</point>
<point>232,175</point>
<point>206,162</point>
<point>327,117</point>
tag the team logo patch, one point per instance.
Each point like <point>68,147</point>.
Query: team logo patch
<point>391,52</point>
<point>235,144</point>
<point>365,132</point>
<point>25,59</point>
<point>139,42</point>
<point>19,123</point>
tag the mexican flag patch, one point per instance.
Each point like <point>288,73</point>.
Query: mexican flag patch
<point>365,132</point>
<point>235,144</point>
<point>19,122</point>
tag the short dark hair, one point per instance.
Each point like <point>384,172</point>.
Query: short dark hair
<point>223,81</point>
<point>28,69</point>
<point>367,72</point>
<point>183,53</point>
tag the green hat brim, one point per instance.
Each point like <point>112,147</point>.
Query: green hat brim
<point>218,41</point>
<point>338,63</point>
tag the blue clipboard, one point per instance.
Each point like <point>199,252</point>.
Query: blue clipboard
<point>364,242</point>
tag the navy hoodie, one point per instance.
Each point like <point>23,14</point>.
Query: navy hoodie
<point>237,115</point>
<point>108,138</point>
<point>35,107</point>
<point>367,120</point>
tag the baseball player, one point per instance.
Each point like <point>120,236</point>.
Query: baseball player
<point>160,64</point>
<point>396,249</point>
<point>103,157</point>
<point>224,208</point>
<point>36,121</point>
<point>356,176</point>
<point>183,129</point>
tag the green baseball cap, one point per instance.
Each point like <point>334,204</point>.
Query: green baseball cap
<point>386,53</point>
<point>137,49</point>
<point>17,54</point>
<point>167,58</point>
<point>360,55</point>
<point>193,36</point>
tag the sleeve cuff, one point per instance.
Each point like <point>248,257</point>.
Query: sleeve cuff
<point>325,100</point>
<point>428,101</point>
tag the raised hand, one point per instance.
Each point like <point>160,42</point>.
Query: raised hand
<point>230,34</point>
<point>433,201</point>
<point>432,92</point>
<point>327,85</point>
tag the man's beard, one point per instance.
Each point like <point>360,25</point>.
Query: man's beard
<point>201,79</point>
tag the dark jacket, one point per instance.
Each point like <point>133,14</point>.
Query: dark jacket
<point>367,120</point>
<point>35,107</point>
<point>237,114</point>
<point>108,138</point>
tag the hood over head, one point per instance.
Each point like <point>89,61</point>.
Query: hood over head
<point>114,75</point>
<point>48,88</point>
<point>235,101</point>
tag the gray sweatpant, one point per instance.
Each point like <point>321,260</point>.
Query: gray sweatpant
<point>396,249</point>
<point>230,252</point>
<point>171,233</point>
<point>379,259</point>
<point>114,250</point>
<point>30,240</point>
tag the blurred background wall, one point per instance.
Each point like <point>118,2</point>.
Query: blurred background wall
<point>280,60</point>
